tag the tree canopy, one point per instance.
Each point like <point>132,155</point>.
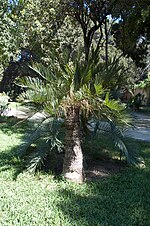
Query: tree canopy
<point>101,27</point>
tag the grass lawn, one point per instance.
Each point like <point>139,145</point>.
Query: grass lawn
<point>26,200</point>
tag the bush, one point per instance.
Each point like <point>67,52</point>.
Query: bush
<point>3,103</point>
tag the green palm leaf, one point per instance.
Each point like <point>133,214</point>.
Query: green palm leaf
<point>116,134</point>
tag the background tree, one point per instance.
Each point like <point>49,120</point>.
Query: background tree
<point>132,31</point>
<point>45,26</point>
<point>8,40</point>
<point>91,16</point>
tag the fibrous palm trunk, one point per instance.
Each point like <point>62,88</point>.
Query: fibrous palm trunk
<point>73,161</point>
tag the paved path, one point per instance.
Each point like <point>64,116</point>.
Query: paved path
<point>24,114</point>
<point>16,113</point>
<point>142,127</point>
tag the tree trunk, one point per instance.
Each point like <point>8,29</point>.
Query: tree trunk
<point>106,44</point>
<point>86,48</point>
<point>73,161</point>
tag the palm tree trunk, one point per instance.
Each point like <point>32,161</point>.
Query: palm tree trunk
<point>73,161</point>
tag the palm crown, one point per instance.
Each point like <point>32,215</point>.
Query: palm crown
<point>72,84</point>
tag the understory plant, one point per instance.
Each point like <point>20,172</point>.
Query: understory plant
<point>71,93</point>
<point>3,103</point>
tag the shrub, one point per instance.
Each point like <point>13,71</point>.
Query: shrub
<point>3,103</point>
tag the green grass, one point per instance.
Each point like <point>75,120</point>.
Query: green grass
<point>41,200</point>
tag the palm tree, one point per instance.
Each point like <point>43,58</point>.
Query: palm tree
<point>69,90</point>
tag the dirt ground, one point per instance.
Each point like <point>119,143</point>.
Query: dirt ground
<point>102,169</point>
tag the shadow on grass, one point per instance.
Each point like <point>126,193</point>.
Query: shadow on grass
<point>11,125</point>
<point>122,200</point>
<point>10,161</point>
<point>12,130</point>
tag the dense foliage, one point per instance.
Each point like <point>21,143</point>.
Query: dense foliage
<point>44,26</point>
<point>3,103</point>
